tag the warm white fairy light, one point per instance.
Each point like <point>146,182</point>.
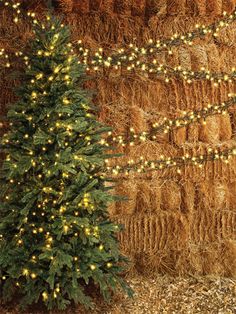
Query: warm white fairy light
<point>170,124</point>
<point>167,162</point>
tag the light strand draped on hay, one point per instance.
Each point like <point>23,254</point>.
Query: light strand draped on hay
<point>143,166</point>
<point>170,124</point>
<point>96,62</point>
<point>133,53</point>
<point>151,67</point>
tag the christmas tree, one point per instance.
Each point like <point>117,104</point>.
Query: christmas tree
<point>56,236</point>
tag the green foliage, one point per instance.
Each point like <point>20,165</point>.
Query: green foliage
<point>56,236</point>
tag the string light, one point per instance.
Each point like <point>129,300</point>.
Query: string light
<point>169,124</point>
<point>152,67</point>
<point>15,7</point>
<point>133,56</point>
<point>45,296</point>
<point>92,267</point>
<point>168,162</point>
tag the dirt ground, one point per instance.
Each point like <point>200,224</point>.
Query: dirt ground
<point>166,295</point>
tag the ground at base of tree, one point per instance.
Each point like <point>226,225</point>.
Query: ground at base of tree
<point>167,295</point>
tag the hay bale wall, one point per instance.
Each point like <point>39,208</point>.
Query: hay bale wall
<point>174,223</point>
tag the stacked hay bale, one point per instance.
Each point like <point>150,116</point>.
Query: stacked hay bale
<point>175,223</point>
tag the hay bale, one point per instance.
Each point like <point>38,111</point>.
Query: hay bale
<point>148,196</point>
<point>227,36</point>
<point>138,119</point>
<point>225,127</point>
<point>227,58</point>
<point>126,189</point>
<point>199,57</point>
<point>207,225</point>
<point>155,240</point>
<point>170,196</point>
<point>203,195</point>
<point>215,258</point>
<point>155,195</point>
<point>114,110</point>
<point>184,58</point>
<point>179,136</point>
<point>210,132</point>
<point>161,232</point>
<point>193,133</point>
<point>143,201</point>
<point>200,261</point>
<point>213,55</point>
